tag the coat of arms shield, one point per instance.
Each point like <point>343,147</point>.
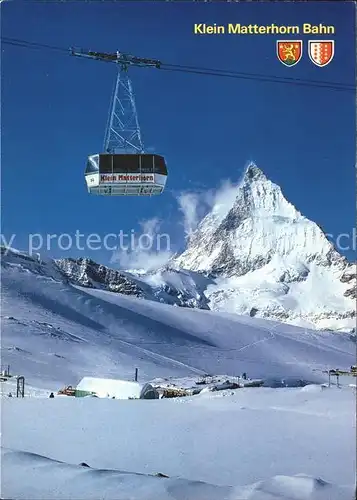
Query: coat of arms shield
<point>321,52</point>
<point>289,52</point>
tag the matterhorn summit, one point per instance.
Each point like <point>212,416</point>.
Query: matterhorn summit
<point>268,260</point>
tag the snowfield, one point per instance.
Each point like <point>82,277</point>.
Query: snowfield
<point>261,438</point>
<point>293,443</point>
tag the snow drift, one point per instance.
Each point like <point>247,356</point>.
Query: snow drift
<point>44,478</point>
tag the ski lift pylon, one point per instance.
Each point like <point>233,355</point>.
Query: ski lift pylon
<point>124,169</point>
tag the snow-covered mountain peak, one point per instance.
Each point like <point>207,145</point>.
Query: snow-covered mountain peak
<point>269,258</point>
<point>259,197</point>
<point>252,171</point>
<point>254,196</point>
<point>259,224</point>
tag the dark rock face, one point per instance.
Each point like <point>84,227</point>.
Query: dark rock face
<point>87,273</point>
<point>351,292</point>
<point>350,276</point>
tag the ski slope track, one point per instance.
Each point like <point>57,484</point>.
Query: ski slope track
<point>54,331</point>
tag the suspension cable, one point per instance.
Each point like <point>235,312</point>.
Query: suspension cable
<point>202,70</point>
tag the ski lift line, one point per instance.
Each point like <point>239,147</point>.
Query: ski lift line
<point>31,45</point>
<point>261,75</point>
<point>245,76</point>
<point>193,69</point>
<point>267,79</point>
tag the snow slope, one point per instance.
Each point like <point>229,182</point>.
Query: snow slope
<point>57,333</point>
<point>244,444</point>
<point>271,261</point>
<point>253,444</point>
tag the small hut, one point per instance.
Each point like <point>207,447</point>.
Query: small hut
<point>114,388</point>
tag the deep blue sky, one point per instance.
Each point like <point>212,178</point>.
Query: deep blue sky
<point>55,109</point>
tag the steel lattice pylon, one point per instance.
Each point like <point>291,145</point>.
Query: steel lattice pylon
<point>123,132</point>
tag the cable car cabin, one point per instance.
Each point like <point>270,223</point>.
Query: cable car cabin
<point>126,174</point>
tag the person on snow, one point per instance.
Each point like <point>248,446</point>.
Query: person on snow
<point>51,395</point>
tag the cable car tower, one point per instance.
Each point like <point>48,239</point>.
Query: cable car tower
<point>124,169</point>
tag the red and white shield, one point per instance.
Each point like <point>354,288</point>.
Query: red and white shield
<point>321,52</point>
<point>289,52</point>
